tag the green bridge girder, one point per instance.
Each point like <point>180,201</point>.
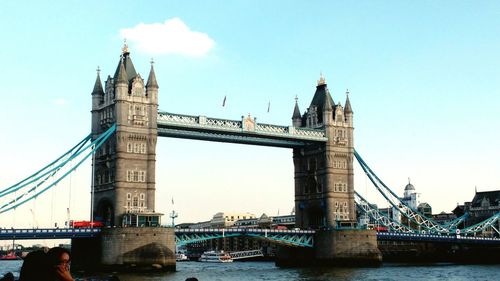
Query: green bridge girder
<point>294,238</point>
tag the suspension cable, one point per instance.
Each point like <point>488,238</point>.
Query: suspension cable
<point>96,144</point>
<point>399,205</point>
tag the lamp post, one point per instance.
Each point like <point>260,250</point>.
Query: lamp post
<point>173,215</point>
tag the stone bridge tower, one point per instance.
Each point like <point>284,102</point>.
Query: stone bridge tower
<point>324,178</point>
<point>124,167</point>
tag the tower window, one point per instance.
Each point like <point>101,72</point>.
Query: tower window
<point>142,176</point>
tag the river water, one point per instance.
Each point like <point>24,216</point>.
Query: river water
<point>246,271</point>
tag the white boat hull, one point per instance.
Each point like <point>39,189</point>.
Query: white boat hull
<point>215,257</point>
<point>215,261</point>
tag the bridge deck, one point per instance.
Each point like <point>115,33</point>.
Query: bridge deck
<point>48,233</point>
<point>245,131</point>
<point>299,237</point>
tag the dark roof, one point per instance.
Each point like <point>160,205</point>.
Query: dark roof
<point>493,197</point>
<point>98,86</point>
<point>129,67</point>
<point>327,106</point>
<point>121,75</point>
<point>319,100</point>
<point>296,111</point>
<point>347,108</point>
<point>152,79</point>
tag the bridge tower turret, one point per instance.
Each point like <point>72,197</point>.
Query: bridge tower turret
<point>124,168</point>
<point>324,181</point>
<point>296,118</point>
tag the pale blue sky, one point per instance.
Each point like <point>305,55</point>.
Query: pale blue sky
<point>423,77</point>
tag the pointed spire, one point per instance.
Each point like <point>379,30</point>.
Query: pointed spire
<point>347,108</point>
<point>296,111</point>
<point>98,86</point>
<point>127,63</point>
<point>121,76</point>
<point>328,106</point>
<point>152,78</point>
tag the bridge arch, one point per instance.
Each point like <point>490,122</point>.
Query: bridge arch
<point>105,211</point>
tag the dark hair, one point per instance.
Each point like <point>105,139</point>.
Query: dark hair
<point>192,279</point>
<point>35,267</point>
<point>54,255</point>
<point>8,277</point>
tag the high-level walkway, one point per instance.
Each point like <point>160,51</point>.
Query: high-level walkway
<point>245,131</point>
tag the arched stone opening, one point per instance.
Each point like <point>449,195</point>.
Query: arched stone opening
<point>105,212</point>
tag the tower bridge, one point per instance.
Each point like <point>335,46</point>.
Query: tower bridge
<point>321,140</point>
<point>124,169</point>
<point>125,126</point>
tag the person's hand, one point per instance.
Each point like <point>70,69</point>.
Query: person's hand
<point>62,273</point>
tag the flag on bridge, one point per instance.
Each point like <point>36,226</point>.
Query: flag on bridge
<point>224,102</point>
<point>268,106</point>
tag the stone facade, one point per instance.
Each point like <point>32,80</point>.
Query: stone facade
<point>138,247</point>
<point>349,247</point>
<point>124,167</point>
<point>324,177</point>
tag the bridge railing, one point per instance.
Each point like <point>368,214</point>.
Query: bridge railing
<point>391,236</point>
<point>42,233</point>
<point>242,230</point>
<point>203,122</point>
<point>299,238</point>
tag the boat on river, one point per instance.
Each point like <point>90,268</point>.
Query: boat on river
<point>10,256</point>
<point>181,257</point>
<point>215,256</point>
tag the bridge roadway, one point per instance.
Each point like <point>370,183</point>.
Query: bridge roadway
<point>244,131</point>
<point>301,238</point>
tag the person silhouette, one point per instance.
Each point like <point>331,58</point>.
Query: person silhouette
<point>8,277</point>
<point>59,260</point>
<point>35,267</point>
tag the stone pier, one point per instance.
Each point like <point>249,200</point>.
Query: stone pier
<point>138,248</point>
<point>127,249</point>
<point>347,247</point>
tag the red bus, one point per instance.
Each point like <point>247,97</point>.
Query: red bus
<point>84,224</point>
<point>380,228</point>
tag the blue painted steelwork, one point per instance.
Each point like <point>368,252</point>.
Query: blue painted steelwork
<point>297,238</point>
<point>44,171</point>
<point>392,236</point>
<point>364,206</point>
<point>425,224</point>
<point>246,131</point>
<point>416,217</point>
<point>454,223</point>
<point>38,179</point>
<point>479,227</point>
<point>48,233</point>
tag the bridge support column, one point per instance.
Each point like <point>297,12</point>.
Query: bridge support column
<point>349,247</point>
<point>138,248</point>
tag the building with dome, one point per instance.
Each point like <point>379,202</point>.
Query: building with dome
<point>410,197</point>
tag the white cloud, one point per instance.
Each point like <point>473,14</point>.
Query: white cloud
<point>171,37</point>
